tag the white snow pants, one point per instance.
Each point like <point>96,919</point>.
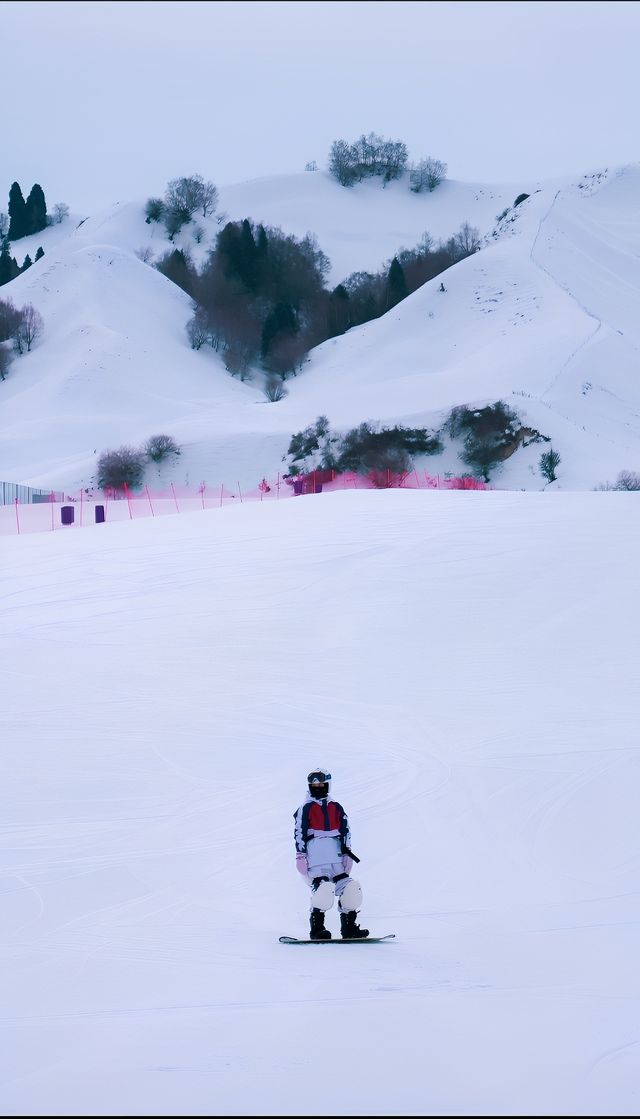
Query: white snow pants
<point>325,862</point>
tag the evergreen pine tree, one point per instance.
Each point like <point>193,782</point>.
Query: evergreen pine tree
<point>39,253</point>
<point>6,269</point>
<point>17,213</point>
<point>248,256</point>
<point>280,320</point>
<point>339,311</point>
<point>35,210</point>
<point>27,262</point>
<point>262,243</point>
<point>397,289</point>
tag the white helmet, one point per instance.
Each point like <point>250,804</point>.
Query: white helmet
<point>319,783</point>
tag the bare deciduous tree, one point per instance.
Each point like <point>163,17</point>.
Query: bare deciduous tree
<point>209,198</point>
<point>119,468</point>
<point>4,225</point>
<point>28,329</point>
<point>185,196</point>
<point>5,361</point>
<point>427,174</point>
<point>198,329</point>
<point>159,447</point>
<point>9,320</point>
<point>60,212</point>
<point>145,254</point>
<point>628,480</point>
<point>468,239</point>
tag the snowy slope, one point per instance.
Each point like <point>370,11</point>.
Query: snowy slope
<point>543,317</point>
<point>466,666</point>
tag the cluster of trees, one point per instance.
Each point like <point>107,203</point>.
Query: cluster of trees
<point>364,295</point>
<point>23,219</point>
<point>20,328</point>
<point>372,155</point>
<point>366,449</point>
<point>261,297</point>
<point>489,435</point>
<point>9,267</point>
<point>27,217</point>
<point>183,199</point>
<point>626,480</point>
<point>125,466</point>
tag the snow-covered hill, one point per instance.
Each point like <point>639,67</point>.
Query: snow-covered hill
<point>544,317</point>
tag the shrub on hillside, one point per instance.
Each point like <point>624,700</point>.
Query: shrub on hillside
<point>488,432</point>
<point>159,447</point>
<point>154,210</point>
<point>365,449</point>
<point>121,468</point>
<point>274,389</point>
<point>626,480</point>
<point>548,462</point>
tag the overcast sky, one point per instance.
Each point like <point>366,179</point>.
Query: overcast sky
<point>104,102</point>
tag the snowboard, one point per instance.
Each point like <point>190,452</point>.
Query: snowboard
<point>339,940</point>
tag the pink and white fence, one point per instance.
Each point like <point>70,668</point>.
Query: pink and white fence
<point>87,507</point>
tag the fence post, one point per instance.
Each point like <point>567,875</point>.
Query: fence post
<point>149,500</point>
<point>175,498</point>
<point>126,490</point>
<point>240,492</point>
<point>17,517</point>
<point>202,489</point>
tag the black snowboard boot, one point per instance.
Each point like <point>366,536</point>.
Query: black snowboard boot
<point>349,930</point>
<point>318,931</point>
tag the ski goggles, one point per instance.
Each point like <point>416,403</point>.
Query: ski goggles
<point>318,778</point>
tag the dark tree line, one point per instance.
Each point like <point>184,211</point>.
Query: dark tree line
<point>261,296</point>
<point>364,295</point>
<point>27,217</point>
<point>24,218</point>
<point>9,267</point>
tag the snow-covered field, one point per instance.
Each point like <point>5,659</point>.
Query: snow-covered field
<point>544,317</point>
<point>466,666</point>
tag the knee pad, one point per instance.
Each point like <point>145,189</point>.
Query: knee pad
<point>322,896</point>
<point>351,897</point>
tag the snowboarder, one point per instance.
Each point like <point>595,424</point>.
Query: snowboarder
<point>324,858</point>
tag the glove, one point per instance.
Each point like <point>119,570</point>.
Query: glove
<point>302,866</point>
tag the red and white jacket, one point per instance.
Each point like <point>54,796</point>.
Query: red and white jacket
<point>320,818</point>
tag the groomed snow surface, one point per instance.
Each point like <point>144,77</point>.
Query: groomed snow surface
<point>465,664</point>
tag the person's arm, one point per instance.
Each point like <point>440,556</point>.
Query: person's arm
<point>300,839</point>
